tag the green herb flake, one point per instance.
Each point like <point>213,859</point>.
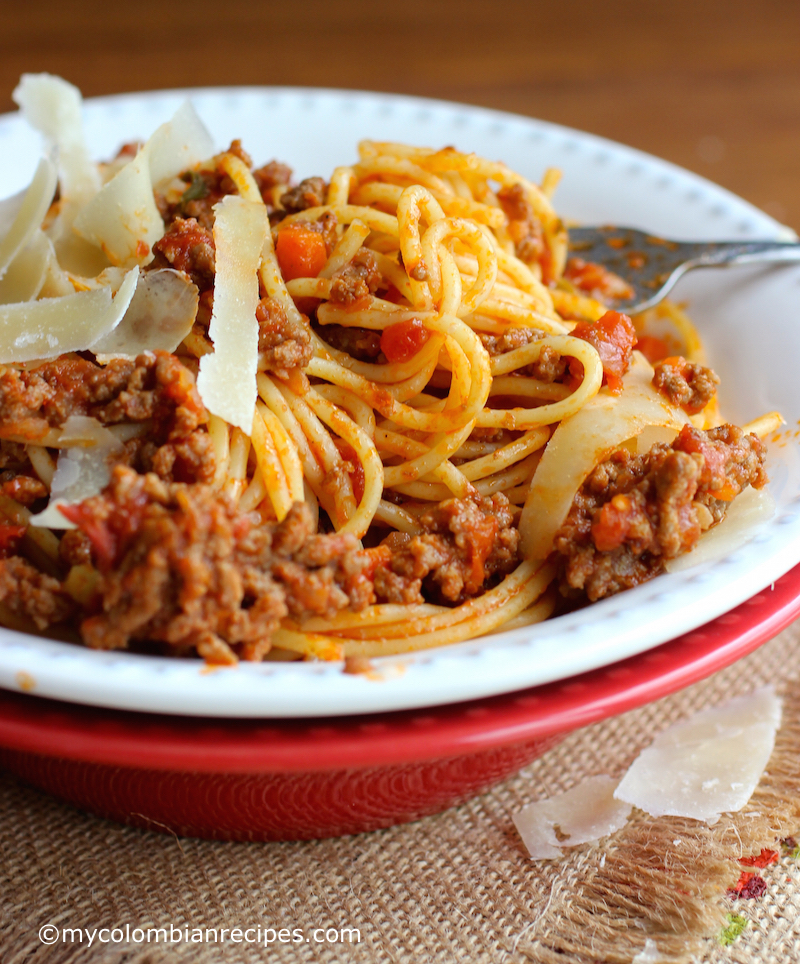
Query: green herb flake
<point>733,930</point>
<point>197,189</point>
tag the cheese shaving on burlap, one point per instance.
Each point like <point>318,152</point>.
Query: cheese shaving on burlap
<point>227,378</point>
<point>583,814</point>
<point>709,764</point>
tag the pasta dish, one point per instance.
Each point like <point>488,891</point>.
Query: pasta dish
<point>248,418</point>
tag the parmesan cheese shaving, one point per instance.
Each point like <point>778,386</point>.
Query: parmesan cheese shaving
<point>53,326</point>
<point>178,145</point>
<point>584,814</point>
<point>53,106</point>
<point>82,470</point>
<point>159,317</point>
<point>748,511</point>
<point>227,378</point>
<point>709,764</point>
<point>29,211</point>
<point>580,443</point>
<point>26,274</point>
<point>122,219</point>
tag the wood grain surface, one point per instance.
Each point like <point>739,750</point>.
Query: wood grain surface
<point>713,85</point>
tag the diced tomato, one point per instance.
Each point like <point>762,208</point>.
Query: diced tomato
<point>354,467</point>
<point>378,557</point>
<point>654,349</point>
<point>614,337</point>
<point>300,250</point>
<point>595,279</point>
<point>9,538</point>
<point>613,524</point>
<point>713,475</point>
<point>109,536</point>
<point>403,340</point>
<point>480,541</point>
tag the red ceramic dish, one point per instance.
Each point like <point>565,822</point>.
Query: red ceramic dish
<point>303,779</point>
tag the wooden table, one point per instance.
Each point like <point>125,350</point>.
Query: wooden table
<point>713,85</point>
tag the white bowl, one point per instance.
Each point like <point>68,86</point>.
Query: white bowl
<point>748,318</point>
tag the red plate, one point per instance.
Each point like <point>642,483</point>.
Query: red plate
<point>302,779</point>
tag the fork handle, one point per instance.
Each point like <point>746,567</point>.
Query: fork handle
<point>743,252</point>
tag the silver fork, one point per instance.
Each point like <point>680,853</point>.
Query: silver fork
<point>651,265</point>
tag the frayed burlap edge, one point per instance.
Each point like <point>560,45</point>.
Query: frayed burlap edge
<point>664,880</point>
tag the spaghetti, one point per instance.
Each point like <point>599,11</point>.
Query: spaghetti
<point>394,416</point>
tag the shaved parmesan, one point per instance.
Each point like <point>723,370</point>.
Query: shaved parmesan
<point>26,274</point>
<point>160,316</point>
<point>122,219</point>
<point>82,470</point>
<point>584,814</point>
<point>227,378</point>
<point>580,443</point>
<point>709,764</point>
<point>30,210</point>
<point>53,326</point>
<point>53,106</point>
<point>178,145</point>
<point>57,281</point>
<point>749,510</point>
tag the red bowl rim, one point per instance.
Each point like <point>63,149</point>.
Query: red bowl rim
<point>151,741</point>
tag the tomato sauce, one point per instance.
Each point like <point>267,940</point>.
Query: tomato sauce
<point>354,467</point>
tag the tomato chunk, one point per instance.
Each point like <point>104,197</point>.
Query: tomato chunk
<point>300,250</point>
<point>614,337</point>
<point>654,349</point>
<point>403,340</point>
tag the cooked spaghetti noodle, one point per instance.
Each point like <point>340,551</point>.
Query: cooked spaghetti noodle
<point>405,351</point>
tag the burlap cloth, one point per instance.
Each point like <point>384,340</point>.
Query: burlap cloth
<point>457,887</point>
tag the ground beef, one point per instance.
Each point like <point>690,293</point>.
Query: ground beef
<point>633,512</point>
<point>180,565</point>
<point>549,367</point>
<point>29,593</point>
<point>465,545</point>
<point>360,343</point>
<point>356,280</point>
<point>309,193</point>
<point>283,344</point>
<point>270,176</point>
<point>686,384</point>
<point>510,339</point>
<point>524,226</point>
<point>157,388</point>
<point>75,549</point>
<point>188,246</point>
<point>22,488</point>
